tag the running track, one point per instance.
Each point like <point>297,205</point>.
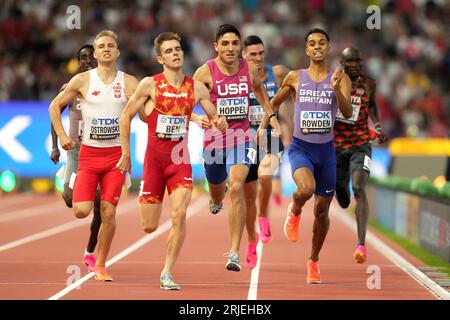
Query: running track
<point>41,241</point>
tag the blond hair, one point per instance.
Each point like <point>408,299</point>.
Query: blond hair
<point>166,36</point>
<point>108,33</point>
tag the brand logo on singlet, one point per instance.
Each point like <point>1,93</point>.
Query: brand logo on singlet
<point>315,122</point>
<point>96,93</point>
<point>233,88</point>
<point>175,95</point>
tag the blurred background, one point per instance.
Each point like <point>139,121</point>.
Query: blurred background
<point>409,56</point>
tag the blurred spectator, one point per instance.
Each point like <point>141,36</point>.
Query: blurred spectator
<point>409,57</point>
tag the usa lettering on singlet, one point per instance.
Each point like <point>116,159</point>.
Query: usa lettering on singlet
<point>230,95</point>
<point>101,110</point>
<point>315,109</point>
<point>256,111</point>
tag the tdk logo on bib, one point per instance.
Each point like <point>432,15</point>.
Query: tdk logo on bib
<point>105,121</point>
<point>315,122</point>
<point>171,127</point>
<point>233,108</point>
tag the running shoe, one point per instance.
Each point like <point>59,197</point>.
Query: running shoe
<point>252,255</point>
<point>360,254</point>
<point>264,228</point>
<point>291,225</point>
<point>89,260</point>
<point>101,275</point>
<point>214,208</point>
<point>166,283</point>
<point>233,262</point>
<point>277,199</point>
<point>313,275</point>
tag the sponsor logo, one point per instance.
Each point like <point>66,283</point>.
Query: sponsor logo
<point>95,93</point>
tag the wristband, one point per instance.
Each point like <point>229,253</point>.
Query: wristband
<point>55,149</point>
<point>272,115</point>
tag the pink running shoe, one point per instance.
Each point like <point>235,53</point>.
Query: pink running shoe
<point>252,255</point>
<point>360,254</point>
<point>264,228</point>
<point>89,260</point>
<point>278,199</point>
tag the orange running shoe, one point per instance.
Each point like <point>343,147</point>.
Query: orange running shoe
<point>313,272</point>
<point>291,225</point>
<point>360,254</point>
<point>101,275</point>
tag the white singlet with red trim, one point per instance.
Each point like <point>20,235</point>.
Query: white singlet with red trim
<point>101,111</point>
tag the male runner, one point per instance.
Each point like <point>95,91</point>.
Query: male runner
<point>86,62</point>
<point>104,92</point>
<point>269,159</point>
<point>169,99</point>
<point>353,146</point>
<point>230,81</point>
<point>319,91</point>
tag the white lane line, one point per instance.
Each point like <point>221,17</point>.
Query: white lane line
<point>193,209</point>
<point>63,227</point>
<point>393,256</point>
<point>254,279</point>
<point>30,211</point>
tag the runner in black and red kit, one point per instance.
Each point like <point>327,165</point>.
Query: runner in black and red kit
<point>352,141</point>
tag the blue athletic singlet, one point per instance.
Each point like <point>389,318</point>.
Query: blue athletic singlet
<point>312,144</point>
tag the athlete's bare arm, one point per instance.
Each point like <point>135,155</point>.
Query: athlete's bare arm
<point>373,111</point>
<point>131,84</point>
<point>76,86</point>
<point>55,153</point>
<point>342,87</point>
<point>286,110</point>
<point>261,95</point>
<point>202,97</point>
<point>203,74</point>
<point>144,91</point>
<point>201,120</point>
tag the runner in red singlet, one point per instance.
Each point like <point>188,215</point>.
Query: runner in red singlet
<point>168,99</point>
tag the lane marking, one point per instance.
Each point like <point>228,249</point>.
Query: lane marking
<point>62,228</point>
<point>254,279</point>
<point>393,256</point>
<point>29,212</point>
<point>193,209</point>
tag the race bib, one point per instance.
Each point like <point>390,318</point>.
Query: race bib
<point>80,128</point>
<point>104,129</point>
<point>233,108</point>
<point>171,127</point>
<point>256,114</point>
<point>352,119</point>
<point>315,122</point>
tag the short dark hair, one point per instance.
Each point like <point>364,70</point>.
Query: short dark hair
<point>225,28</point>
<point>252,40</point>
<point>165,36</point>
<point>86,46</point>
<point>316,30</point>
